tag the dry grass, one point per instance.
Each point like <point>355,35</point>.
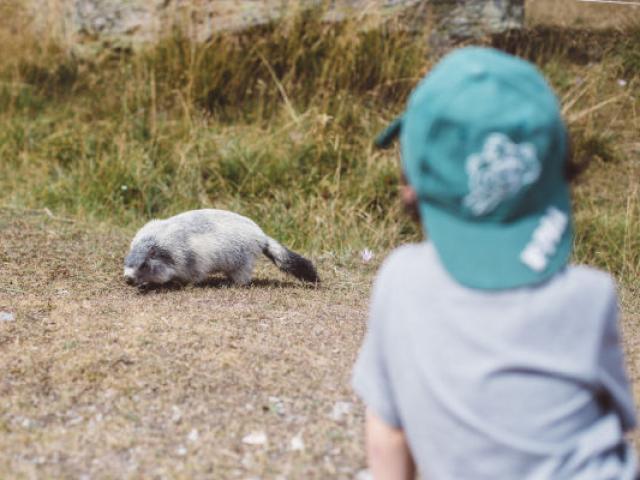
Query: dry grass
<point>573,13</point>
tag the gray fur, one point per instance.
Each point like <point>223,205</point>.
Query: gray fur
<point>192,245</point>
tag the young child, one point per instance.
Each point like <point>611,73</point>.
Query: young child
<point>487,356</point>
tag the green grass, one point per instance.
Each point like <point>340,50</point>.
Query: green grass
<point>277,123</point>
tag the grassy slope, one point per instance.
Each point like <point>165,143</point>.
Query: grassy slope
<point>277,124</point>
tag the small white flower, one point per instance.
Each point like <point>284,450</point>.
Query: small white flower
<point>622,83</point>
<point>181,450</point>
<point>366,255</point>
<point>124,188</point>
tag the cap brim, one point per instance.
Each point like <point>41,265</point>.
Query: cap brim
<point>487,255</point>
<point>386,137</point>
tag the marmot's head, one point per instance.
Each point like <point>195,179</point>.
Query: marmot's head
<point>148,264</point>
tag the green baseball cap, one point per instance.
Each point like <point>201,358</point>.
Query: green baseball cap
<point>484,145</point>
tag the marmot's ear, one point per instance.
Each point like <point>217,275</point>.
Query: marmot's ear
<point>153,252</point>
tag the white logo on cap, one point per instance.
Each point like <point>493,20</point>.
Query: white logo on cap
<point>545,240</point>
<point>499,172</point>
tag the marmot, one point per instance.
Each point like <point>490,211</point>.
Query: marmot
<point>192,245</point>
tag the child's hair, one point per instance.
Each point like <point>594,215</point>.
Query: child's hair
<point>574,167</point>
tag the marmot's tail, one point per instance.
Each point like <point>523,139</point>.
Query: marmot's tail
<point>290,262</point>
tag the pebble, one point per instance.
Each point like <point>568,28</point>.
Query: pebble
<point>255,438</point>
<point>297,444</point>
<point>340,409</point>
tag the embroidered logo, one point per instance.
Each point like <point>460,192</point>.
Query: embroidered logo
<point>545,240</point>
<point>499,172</point>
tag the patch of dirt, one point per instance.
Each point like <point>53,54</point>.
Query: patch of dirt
<point>101,380</point>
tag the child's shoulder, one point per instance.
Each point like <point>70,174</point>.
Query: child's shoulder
<point>586,281</point>
<point>409,252</point>
<point>591,274</point>
<point>419,263</point>
<point>409,257</point>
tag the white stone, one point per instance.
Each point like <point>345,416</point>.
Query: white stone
<point>363,475</point>
<point>255,438</point>
<point>176,414</point>
<point>340,410</point>
<point>297,444</point>
<point>193,435</point>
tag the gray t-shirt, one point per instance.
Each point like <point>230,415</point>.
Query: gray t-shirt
<point>519,384</point>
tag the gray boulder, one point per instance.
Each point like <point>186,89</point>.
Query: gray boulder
<point>94,24</point>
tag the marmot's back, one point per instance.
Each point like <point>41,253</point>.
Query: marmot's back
<point>191,245</point>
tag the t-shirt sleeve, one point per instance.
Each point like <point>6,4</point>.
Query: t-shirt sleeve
<point>612,373</point>
<point>370,375</point>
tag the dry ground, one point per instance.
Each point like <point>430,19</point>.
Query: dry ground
<point>102,381</point>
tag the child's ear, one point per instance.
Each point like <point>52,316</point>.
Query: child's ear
<point>408,194</point>
<point>409,199</point>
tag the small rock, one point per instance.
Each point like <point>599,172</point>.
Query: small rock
<point>247,462</point>
<point>75,421</point>
<point>276,405</point>
<point>622,83</point>
<point>7,317</point>
<point>340,409</point>
<point>176,414</point>
<point>193,435</point>
<point>297,444</point>
<point>255,438</point>
<point>363,475</point>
